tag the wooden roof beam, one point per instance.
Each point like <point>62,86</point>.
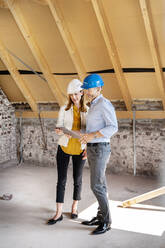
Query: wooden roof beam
<point>120,114</point>
<point>36,51</point>
<point>7,60</point>
<point>153,47</point>
<point>67,37</point>
<point>112,51</point>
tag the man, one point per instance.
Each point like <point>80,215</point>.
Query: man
<point>101,124</point>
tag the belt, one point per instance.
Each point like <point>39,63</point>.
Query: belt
<point>97,144</point>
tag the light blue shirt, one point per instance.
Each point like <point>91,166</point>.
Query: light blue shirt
<point>101,117</point>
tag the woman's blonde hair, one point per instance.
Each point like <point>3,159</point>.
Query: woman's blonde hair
<point>83,107</point>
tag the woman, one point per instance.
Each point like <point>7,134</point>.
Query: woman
<point>73,117</point>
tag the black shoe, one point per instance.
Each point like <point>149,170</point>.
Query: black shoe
<point>93,222</point>
<point>52,221</point>
<point>74,216</point>
<point>102,228</point>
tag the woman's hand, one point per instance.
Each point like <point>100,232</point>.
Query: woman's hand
<point>84,155</point>
<point>59,131</point>
<point>68,136</point>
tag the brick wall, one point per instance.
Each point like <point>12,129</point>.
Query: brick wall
<point>7,130</point>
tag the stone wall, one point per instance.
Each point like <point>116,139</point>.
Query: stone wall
<point>27,142</point>
<point>149,145</point>
<point>33,141</point>
<point>7,130</point>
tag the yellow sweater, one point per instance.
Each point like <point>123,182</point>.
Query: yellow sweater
<point>74,146</point>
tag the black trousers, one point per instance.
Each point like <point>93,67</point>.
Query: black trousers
<point>62,168</point>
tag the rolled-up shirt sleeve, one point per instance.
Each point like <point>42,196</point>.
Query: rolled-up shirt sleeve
<point>109,116</point>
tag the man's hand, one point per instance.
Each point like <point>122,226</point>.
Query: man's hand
<point>85,138</point>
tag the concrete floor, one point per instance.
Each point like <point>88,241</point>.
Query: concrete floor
<point>22,219</point>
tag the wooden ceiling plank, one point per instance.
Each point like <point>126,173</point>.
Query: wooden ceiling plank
<point>153,47</point>
<point>112,51</point>
<point>7,60</point>
<point>3,4</point>
<point>42,2</point>
<point>36,51</point>
<point>67,37</point>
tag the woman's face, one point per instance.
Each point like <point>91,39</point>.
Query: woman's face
<point>76,97</point>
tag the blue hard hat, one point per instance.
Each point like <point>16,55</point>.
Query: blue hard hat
<point>92,81</point>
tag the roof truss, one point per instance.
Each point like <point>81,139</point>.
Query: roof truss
<point>153,47</point>
<point>36,51</point>
<point>112,51</point>
<point>67,37</point>
<point>7,60</point>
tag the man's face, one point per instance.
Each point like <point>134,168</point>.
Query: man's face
<point>92,93</point>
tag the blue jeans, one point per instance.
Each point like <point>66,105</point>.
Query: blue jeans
<point>98,155</point>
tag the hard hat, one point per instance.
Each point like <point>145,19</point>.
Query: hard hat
<point>74,86</point>
<point>92,81</point>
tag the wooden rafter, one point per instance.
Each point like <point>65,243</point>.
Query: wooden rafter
<point>153,47</point>
<point>36,51</point>
<point>67,37</point>
<point>112,51</point>
<point>120,114</point>
<point>7,60</point>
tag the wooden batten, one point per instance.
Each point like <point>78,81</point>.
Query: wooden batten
<point>43,114</point>
<point>120,114</point>
<point>144,197</point>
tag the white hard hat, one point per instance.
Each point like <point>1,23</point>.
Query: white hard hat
<point>74,86</point>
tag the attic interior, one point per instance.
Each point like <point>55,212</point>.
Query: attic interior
<point>44,44</point>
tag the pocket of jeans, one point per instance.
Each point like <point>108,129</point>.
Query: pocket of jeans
<point>98,151</point>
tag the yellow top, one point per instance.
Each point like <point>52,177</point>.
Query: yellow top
<point>74,146</point>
